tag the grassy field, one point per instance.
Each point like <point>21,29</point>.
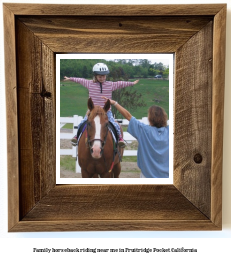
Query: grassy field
<point>74,97</point>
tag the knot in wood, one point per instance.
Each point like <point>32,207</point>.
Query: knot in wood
<point>198,158</point>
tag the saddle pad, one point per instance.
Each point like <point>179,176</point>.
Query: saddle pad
<point>113,131</point>
<point>81,129</point>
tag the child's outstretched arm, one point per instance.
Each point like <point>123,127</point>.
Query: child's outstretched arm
<point>81,81</point>
<point>122,84</point>
<point>66,78</point>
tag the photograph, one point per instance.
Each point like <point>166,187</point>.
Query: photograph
<point>115,118</point>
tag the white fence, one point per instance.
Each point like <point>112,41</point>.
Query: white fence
<point>75,120</point>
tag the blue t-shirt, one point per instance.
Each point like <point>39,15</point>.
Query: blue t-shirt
<point>153,148</point>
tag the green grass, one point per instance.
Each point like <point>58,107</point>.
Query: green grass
<point>151,89</point>
<point>67,163</point>
<point>68,126</point>
<point>74,97</point>
<point>124,128</point>
<point>129,159</point>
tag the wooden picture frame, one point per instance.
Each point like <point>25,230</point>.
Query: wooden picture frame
<point>33,34</point>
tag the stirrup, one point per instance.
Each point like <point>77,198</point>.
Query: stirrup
<point>122,144</point>
<point>74,143</point>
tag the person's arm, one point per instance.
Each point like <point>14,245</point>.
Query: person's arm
<point>81,81</point>
<point>127,115</point>
<point>122,84</point>
<point>66,78</point>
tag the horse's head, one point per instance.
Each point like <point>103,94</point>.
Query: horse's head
<point>97,128</point>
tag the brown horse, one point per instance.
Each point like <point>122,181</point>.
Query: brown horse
<point>97,150</point>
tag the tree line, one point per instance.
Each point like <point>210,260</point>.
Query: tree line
<point>120,69</point>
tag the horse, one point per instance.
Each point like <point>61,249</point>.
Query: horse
<point>98,154</point>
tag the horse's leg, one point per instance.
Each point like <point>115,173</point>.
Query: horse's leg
<point>86,174</point>
<point>106,175</point>
<point>117,170</point>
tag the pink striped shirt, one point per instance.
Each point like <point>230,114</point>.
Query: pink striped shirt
<point>95,90</point>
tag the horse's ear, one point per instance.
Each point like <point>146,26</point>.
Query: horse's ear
<point>107,105</point>
<point>90,104</point>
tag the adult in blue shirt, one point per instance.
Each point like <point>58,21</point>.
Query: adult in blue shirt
<point>153,141</point>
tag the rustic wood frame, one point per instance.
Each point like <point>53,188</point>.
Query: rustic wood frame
<point>33,34</point>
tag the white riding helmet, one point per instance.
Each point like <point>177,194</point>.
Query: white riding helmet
<point>100,69</point>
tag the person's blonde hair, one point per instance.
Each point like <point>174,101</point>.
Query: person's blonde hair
<point>157,116</point>
<point>94,78</point>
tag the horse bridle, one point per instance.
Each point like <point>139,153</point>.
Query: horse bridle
<point>89,142</point>
<point>103,142</point>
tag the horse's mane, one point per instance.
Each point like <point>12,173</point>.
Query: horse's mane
<point>97,110</point>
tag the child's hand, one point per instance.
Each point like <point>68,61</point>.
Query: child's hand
<point>66,78</point>
<point>135,82</point>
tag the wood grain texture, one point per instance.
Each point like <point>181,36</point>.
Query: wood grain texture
<point>193,33</point>
<point>218,114</point>
<point>114,202</point>
<point>114,225</point>
<point>36,106</point>
<point>115,10</point>
<point>193,126</point>
<point>115,34</point>
<point>112,207</point>
<point>11,116</point>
